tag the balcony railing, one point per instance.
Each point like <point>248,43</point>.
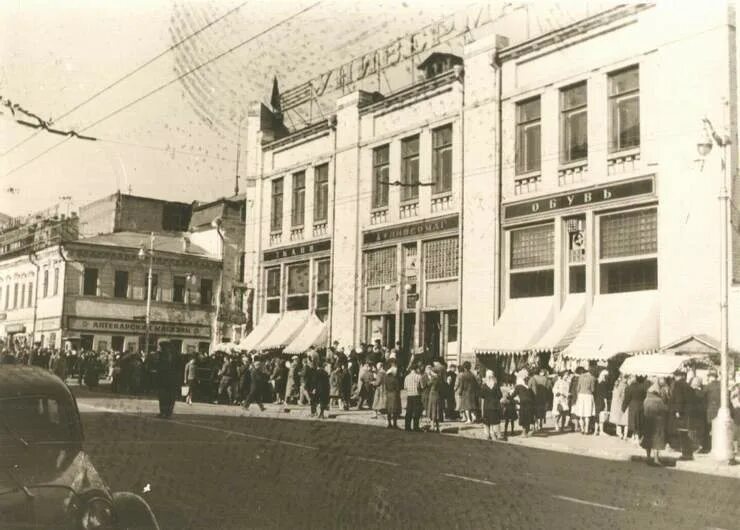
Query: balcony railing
<point>572,173</point>
<point>441,203</point>
<point>378,216</point>
<point>296,234</point>
<point>276,238</point>
<point>409,210</point>
<point>623,162</point>
<point>320,229</point>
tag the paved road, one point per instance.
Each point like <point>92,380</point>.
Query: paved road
<point>210,471</point>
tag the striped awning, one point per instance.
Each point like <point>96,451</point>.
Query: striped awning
<point>265,325</point>
<point>522,323</point>
<point>565,326</point>
<point>313,334</point>
<point>617,323</point>
<point>287,328</point>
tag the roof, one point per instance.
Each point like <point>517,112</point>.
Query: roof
<point>21,380</point>
<point>171,242</point>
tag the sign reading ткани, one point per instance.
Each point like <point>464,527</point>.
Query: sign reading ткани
<point>581,198</point>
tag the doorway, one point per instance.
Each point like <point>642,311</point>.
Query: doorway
<point>433,334</point>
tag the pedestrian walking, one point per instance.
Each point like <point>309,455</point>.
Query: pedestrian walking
<point>542,389</point>
<point>290,382</point>
<point>412,386</point>
<point>468,390</point>
<point>168,383</point>
<point>257,384</point>
<point>436,389</point>
<point>321,389</point>
<point>601,403</point>
<point>585,407</point>
<point>654,424</point>
<point>633,404</point>
<point>189,378</point>
<point>713,393</point>
<point>524,395</point>
<point>450,380</point>
<point>697,414</point>
<point>560,402</point>
<point>616,415</point>
<point>490,395</point>
<point>392,388</point>
<point>680,404</point>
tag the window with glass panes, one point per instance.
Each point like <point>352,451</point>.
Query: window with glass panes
<point>155,287</point>
<point>528,144</point>
<point>46,283</point>
<point>628,243</point>
<point>410,168</point>
<point>573,123</point>
<point>298,205</point>
<point>206,291</point>
<point>276,211</point>
<point>442,159</point>
<point>23,295</point>
<point>30,294</point>
<point>441,258</point>
<point>532,261</point>
<point>272,292</point>
<point>624,109</point>
<point>120,284</point>
<point>380,266</point>
<point>297,295</point>
<point>381,160</point>
<point>56,281</point>
<point>178,288</point>
<point>323,288</point>
<point>89,282</point>
<point>321,193</point>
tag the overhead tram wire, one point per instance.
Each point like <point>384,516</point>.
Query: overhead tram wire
<point>129,74</point>
<point>167,84</point>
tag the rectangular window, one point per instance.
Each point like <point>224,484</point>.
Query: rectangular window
<point>155,287</point>
<point>441,258</point>
<point>7,296</point>
<point>90,282</point>
<point>273,290</point>
<point>46,283</point>
<point>23,295</point>
<point>381,164</point>
<point>298,206</point>
<point>410,168</point>
<point>442,159</point>
<point>624,109</point>
<point>178,289</point>
<point>206,291</point>
<point>120,284</point>
<point>577,279</point>
<point>56,281</point>
<point>573,123</point>
<point>116,343</point>
<point>323,287</point>
<point>528,145</point>
<point>532,261</point>
<point>321,193</point>
<point>380,267</point>
<point>15,295</point>
<point>628,251</point>
<point>297,297</point>
<point>276,213</point>
<point>30,294</point>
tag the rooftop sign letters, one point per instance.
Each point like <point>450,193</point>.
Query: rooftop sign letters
<point>598,194</point>
<point>297,250</point>
<point>421,228</point>
<point>127,326</point>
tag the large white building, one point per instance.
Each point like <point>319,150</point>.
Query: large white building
<point>534,196</point>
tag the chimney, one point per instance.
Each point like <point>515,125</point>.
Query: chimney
<point>185,244</point>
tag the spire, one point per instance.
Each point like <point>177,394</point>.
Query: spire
<point>275,98</point>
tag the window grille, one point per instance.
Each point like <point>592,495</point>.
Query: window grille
<point>380,266</point>
<point>532,247</point>
<point>629,234</point>
<point>441,258</point>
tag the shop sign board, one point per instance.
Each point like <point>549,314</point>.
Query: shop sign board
<point>420,228</point>
<point>130,326</point>
<point>15,328</point>
<point>297,250</point>
<point>599,194</point>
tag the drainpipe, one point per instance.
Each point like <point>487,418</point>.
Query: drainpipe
<point>333,127</point>
<point>32,259</point>
<point>60,249</point>
<point>460,73</point>
<point>499,232</point>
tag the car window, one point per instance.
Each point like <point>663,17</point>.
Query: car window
<point>37,419</point>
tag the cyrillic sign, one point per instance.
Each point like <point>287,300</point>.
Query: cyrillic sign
<point>412,229</point>
<point>297,250</point>
<point>130,326</point>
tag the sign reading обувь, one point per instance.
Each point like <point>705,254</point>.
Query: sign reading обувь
<point>575,198</point>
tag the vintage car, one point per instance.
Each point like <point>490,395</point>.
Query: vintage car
<point>46,478</point>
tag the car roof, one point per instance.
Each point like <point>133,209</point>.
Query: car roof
<point>19,380</point>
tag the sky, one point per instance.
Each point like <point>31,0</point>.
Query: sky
<point>180,142</point>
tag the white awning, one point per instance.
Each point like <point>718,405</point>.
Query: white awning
<point>565,326</point>
<point>522,323</point>
<point>618,323</point>
<point>314,333</point>
<point>285,331</point>
<point>226,347</point>
<point>265,325</point>
<point>656,365</point>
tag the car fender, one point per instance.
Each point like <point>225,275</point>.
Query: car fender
<point>133,512</point>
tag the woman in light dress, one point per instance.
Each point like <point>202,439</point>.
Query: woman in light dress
<point>560,401</point>
<point>616,415</point>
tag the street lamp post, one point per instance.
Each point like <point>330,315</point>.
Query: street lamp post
<point>722,425</point>
<point>142,255</point>
<point>215,327</point>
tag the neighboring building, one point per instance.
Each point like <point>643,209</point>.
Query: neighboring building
<point>121,212</point>
<point>548,197</point>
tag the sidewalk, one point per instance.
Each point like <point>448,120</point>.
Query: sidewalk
<point>604,447</point>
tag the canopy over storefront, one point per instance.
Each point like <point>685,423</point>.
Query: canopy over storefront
<point>265,325</point>
<point>618,323</point>
<point>565,326</point>
<point>313,334</point>
<point>656,365</point>
<point>522,323</point>
<point>287,328</point>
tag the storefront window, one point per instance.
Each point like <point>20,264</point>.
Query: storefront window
<point>441,258</point>
<point>629,246</point>
<point>323,288</point>
<point>273,290</point>
<point>297,286</point>
<point>380,278</point>
<point>532,259</point>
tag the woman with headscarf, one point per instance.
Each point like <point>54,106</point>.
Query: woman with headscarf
<point>435,398</point>
<point>524,395</point>
<point>490,397</point>
<point>379,401</point>
<point>616,415</point>
<point>601,403</point>
<point>655,416</point>
<point>392,387</point>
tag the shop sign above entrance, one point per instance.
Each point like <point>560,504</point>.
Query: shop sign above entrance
<point>297,250</point>
<point>128,326</point>
<point>572,199</point>
<point>412,229</point>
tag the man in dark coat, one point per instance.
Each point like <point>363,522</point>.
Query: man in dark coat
<point>256,388</point>
<point>680,406</point>
<point>321,390</point>
<point>168,383</point>
<point>713,393</point>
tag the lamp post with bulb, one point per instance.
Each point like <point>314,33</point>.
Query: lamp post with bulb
<point>722,425</point>
<point>142,256</point>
